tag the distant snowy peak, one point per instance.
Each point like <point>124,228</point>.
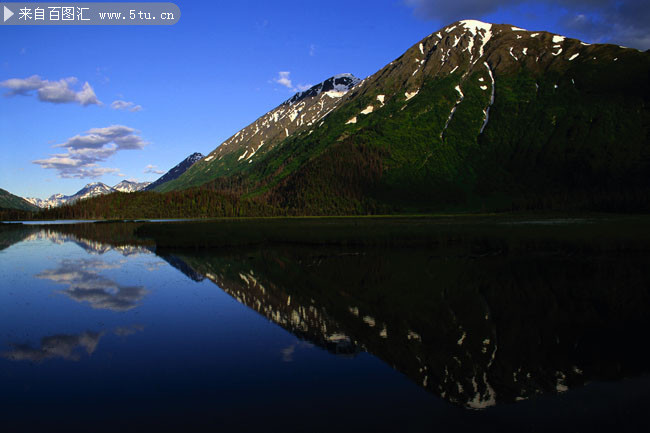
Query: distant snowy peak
<point>91,190</point>
<point>129,186</point>
<point>337,86</point>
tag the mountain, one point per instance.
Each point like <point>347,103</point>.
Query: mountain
<point>175,172</point>
<point>53,201</point>
<point>130,186</point>
<point>91,190</point>
<point>474,116</point>
<point>10,201</point>
<point>304,109</point>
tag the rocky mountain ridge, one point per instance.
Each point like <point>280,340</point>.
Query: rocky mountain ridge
<point>90,190</point>
<point>176,171</point>
<point>304,109</point>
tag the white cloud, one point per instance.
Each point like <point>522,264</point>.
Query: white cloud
<point>152,169</point>
<point>85,151</point>
<point>126,105</point>
<point>312,50</point>
<point>21,86</point>
<point>57,92</point>
<point>284,79</point>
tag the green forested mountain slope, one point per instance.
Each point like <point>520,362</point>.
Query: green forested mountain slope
<point>246,146</point>
<point>10,201</point>
<point>475,115</point>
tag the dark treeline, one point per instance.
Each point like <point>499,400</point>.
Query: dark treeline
<point>321,200</point>
<point>192,203</point>
<point>15,214</point>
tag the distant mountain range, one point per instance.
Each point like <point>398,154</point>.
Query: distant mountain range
<point>98,188</point>
<point>91,190</point>
<point>130,186</point>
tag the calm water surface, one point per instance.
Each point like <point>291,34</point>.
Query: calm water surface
<point>98,337</point>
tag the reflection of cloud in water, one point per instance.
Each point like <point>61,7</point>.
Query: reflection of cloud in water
<point>125,331</point>
<point>66,347</point>
<point>288,352</point>
<point>86,285</point>
<point>154,266</point>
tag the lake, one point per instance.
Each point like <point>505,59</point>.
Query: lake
<point>105,330</point>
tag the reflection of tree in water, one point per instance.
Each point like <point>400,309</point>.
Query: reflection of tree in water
<point>94,238</point>
<point>13,233</point>
<point>475,330</point>
<point>85,284</point>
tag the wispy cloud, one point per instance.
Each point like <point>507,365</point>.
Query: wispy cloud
<point>153,169</point>
<point>312,50</point>
<point>57,92</point>
<point>284,79</point>
<point>125,105</point>
<point>625,22</point>
<point>85,151</point>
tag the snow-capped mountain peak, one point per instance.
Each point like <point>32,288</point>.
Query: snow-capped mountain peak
<point>90,190</point>
<point>304,110</point>
<point>130,186</point>
<point>336,86</point>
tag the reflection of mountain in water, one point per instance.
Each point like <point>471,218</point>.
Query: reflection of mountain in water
<point>94,238</point>
<point>90,246</point>
<point>476,331</point>
<point>13,233</point>
<point>304,319</point>
<point>184,268</point>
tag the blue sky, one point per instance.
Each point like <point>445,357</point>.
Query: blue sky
<point>188,87</point>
